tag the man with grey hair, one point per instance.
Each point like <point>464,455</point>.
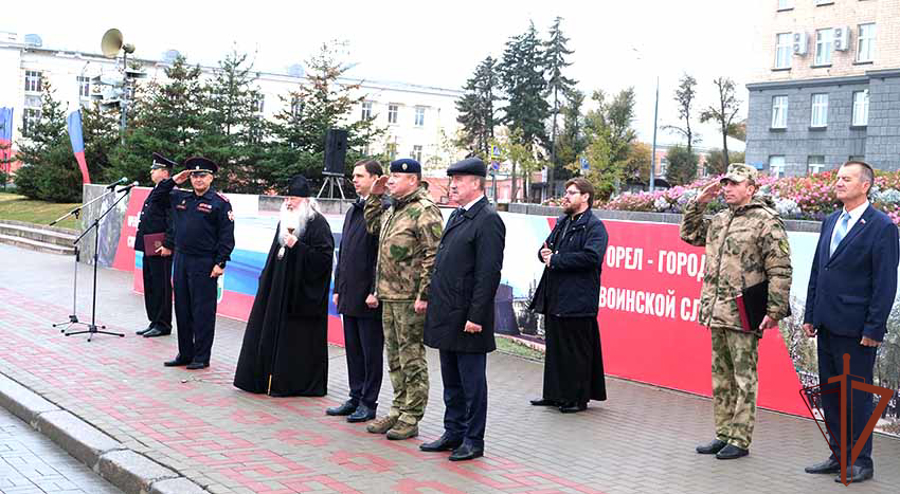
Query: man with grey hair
<point>285,350</point>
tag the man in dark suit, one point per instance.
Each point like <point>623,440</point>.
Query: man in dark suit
<point>354,288</point>
<point>851,290</point>
<point>460,317</point>
<point>156,217</point>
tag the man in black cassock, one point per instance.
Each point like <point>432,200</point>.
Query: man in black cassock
<point>285,349</point>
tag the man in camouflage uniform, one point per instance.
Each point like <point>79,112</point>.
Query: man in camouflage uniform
<point>746,244</point>
<point>409,233</point>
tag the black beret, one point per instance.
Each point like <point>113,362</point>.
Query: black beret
<point>299,187</point>
<point>406,165</point>
<point>160,161</point>
<point>201,164</point>
<point>468,166</point>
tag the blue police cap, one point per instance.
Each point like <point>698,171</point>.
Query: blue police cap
<point>201,164</point>
<point>468,166</point>
<point>160,161</point>
<point>406,165</point>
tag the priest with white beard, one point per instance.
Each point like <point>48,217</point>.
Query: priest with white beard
<point>285,349</point>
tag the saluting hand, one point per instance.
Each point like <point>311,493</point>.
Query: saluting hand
<point>380,185</point>
<point>216,272</point>
<point>471,327</point>
<point>709,192</point>
<point>182,176</point>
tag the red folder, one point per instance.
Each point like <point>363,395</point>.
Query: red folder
<point>152,242</point>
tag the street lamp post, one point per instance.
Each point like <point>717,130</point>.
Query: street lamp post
<point>655,125</point>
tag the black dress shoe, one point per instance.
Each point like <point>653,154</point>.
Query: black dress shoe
<point>572,407</point>
<point>197,365</point>
<point>732,452</point>
<point>711,448</point>
<point>828,466</point>
<point>443,443</point>
<point>544,402</point>
<point>347,408</point>
<point>362,414</point>
<point>142,331</point>
<point>466,452</point>
<point>177,363</point>
<point>156,331</point>
<point>857,474</point>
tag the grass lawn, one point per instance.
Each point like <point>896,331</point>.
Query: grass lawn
<point>519,349</point>
<point>18,208</point>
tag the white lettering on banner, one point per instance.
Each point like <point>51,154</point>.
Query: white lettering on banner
<point>689,308</point>
<point>133,221</point>
<point>625,257</point>
<point>679,263</point>
<point>641,302</point>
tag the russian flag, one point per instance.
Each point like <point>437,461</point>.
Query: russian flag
<point>77,137</point>
<point>6,128</point>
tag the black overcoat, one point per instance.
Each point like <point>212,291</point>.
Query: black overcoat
<point>354,275</point>
<point>465,280</point>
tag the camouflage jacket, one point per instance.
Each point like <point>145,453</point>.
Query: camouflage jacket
<point>409,233</point>
<point>744,246</point>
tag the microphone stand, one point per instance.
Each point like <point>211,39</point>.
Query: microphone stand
<point>73,317</point>
<point>92,327</point>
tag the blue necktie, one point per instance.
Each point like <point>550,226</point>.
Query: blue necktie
<point>841,231</point>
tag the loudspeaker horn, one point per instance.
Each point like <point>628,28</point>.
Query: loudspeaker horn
<point>112,42</point>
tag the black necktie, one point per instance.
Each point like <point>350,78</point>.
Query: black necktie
<point>456,216</point>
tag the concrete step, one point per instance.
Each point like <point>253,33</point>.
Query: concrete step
<point>62,237</point>
<point>37,245</point>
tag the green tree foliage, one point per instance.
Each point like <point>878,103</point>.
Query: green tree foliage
<point>558,86</point>
<point>476,109</point>
<point>49,170</point>
<point>715,161</point>
<point>682,166</point>
<point>572,141</point>
<point>522,79</point>
<point>637,164</point>
<point>724,111</point>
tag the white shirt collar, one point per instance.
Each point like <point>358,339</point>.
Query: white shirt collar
<point>858,211</point>
<point>469,205</point>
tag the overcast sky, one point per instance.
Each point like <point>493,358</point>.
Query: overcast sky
<point>432,43</point>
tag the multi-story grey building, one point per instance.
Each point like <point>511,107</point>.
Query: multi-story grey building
<point>828,88</point>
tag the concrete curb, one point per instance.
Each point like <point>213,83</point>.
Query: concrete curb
<point>128,470</point>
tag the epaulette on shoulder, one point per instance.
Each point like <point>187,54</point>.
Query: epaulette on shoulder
<point>222,196</point>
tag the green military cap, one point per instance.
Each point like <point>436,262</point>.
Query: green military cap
<point>738,172</point>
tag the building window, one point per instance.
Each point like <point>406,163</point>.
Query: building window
<point>866,43</point>
<point>366,110</point>
<point>259,103</point>
<point>861,108</point>
<point>30,119</point>
<point>663,166</point>
<point>32,81</point>
<point>824,46</point>
<point>84,86</point>
<point>417,153</point>
<point>857,158</point>
<point>819,110</point>
<point>776,166</point>
<point>815,164</point>
<point>392,113</point>
<point>779,112</point>
<point>784,46</point>
<point>785,4</point>
<point>296,107</point>
<point>420,116</point>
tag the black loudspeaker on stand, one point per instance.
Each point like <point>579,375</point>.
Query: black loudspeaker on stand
<point>92,327</point>
<point>335,153</point>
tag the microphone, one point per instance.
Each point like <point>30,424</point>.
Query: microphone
<point>120,181</point>
<point>128,187</point>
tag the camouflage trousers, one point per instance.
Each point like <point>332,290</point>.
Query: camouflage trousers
<point>734,382</point>
<point>407,367</point>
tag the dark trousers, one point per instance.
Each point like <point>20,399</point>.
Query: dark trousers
<point>157,271</point>
<point>573,362</point>
<point>831,350</point>
<point>195,307</point>
<point>364,344</point>
<point>465,395</point>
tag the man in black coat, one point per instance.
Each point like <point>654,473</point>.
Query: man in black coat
<point>156,218</point>
<point>354,285</point>
<point>567,296</point>
<point>460,317</point>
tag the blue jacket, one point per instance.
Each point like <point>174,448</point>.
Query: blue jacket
<point>851,292</point>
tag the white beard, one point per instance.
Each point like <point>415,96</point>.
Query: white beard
<point>295,219</point>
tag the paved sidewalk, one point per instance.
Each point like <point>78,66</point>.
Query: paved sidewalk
<point>227,441</point>
<point>31,464</point>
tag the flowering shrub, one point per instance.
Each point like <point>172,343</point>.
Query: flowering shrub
<point>803,198</point>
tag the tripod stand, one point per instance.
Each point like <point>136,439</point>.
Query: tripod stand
<point>332,180</point>
<point>95,226</point>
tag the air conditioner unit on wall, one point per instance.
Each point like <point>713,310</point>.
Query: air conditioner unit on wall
<point>841,38</point>
<point>801,43</point>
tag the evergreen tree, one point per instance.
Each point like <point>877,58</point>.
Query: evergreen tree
<point>476,109</point>
<point>49,171</point>
<point>558,85</point>
<point>571,142</point>
<point>522,79</point>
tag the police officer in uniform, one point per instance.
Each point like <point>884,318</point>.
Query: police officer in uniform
<point>204,239</point>
<point>157,265</point>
